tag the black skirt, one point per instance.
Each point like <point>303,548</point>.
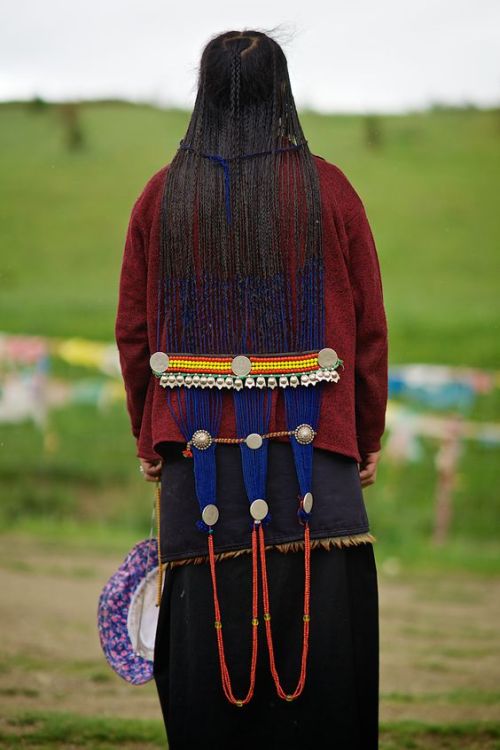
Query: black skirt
<point>340,702</point>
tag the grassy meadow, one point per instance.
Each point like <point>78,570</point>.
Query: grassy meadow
<point>72,502</point>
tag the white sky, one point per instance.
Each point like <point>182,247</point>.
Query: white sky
<point>354,55</point>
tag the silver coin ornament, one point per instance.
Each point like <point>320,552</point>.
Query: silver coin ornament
<point>159,361</point>
<point>304,434</point>
<point>210,514</point>
<point>253,440</point>
<point>327,357</point>
<point>201,439</point>
<point>241,365</point>
<point>259,509</point>
<point>307,502</point>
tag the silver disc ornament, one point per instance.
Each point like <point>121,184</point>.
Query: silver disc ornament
<point>241,365</point>
<point>210,514</point>
<point>201,439</point>
<point>304,433</point>
<point>159,361</point>
<point>254,440</point>
<point>327,357</point>
<point>307,502</point>
<point>259,509</point>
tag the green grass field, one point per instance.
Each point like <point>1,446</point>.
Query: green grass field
<point>38,731</point>
<point>430,191</point>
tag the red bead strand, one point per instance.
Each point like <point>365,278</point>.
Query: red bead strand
<point>306,618</point>
<point>226,681</point>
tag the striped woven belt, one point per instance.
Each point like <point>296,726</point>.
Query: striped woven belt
<point>246,370</point>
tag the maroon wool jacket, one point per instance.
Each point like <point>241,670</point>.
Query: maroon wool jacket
<point>352,416</point>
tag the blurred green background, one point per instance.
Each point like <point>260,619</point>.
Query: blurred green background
<point>429,182</point>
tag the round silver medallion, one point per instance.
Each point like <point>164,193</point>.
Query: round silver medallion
<point>307,502</point>
<point>259,509</point>
<point>241,365</point>
<point>210,514</point>
<point>254,440</point>
<point>327,357</point>
<point>201,439</point>
<point>304,434</point>
<point>159,361</point>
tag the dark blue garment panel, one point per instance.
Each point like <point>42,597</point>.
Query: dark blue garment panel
<point>338,509</point>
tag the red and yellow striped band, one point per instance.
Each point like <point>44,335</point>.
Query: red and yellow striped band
<point>260,365</point>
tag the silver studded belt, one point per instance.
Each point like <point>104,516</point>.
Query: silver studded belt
<point>246,370</point>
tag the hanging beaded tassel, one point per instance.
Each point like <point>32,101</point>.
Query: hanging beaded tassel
<point>302,410</point>
<point>203,407</point>
<point>253,412</point>
<point>226,681</point>
<point>306,617</point>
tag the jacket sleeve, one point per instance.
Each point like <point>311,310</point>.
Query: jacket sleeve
<point>371,368</point>
<point>131,331</point>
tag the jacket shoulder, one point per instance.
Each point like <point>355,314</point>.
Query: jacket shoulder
<point>150,195</point>
<point>156,180</point>
<point>337,188</point>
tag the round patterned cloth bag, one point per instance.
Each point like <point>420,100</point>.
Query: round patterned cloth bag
<point>127,613</point>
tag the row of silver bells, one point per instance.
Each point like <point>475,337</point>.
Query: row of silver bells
<point>172,380</point>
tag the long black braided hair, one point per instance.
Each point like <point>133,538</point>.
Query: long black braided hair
<point>241,237</point>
